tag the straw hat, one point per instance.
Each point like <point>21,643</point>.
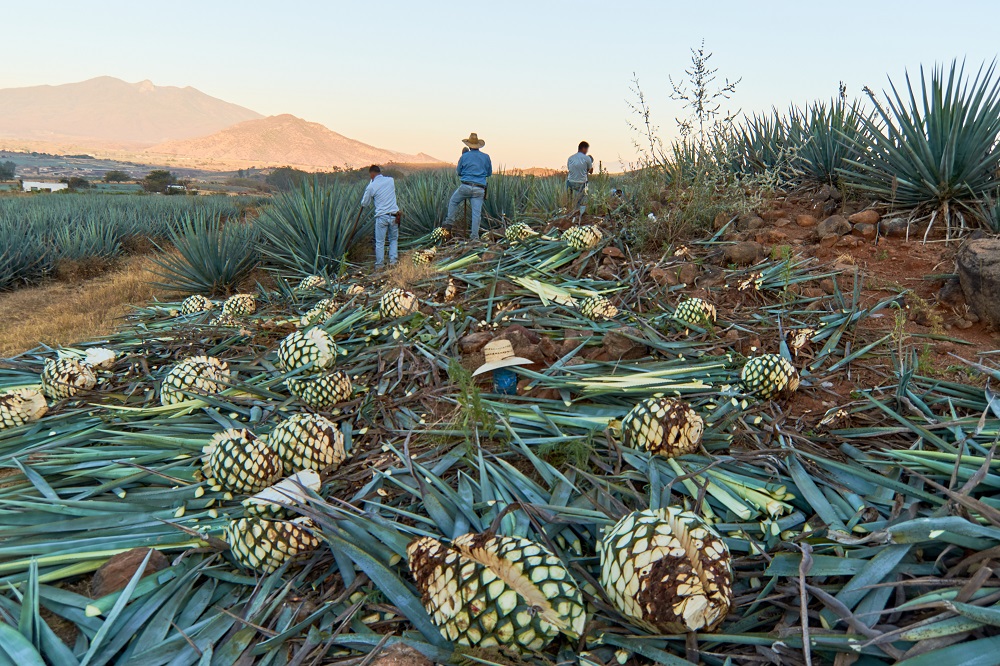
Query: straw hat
<point>500,354</point>
<point>474,141</point>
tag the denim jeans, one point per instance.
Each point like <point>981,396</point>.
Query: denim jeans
<point>578,195</point>
<point>467,193</point>
<point>385,225</point>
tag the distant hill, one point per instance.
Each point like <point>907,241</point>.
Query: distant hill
<point>282,140</point>
<point>111,111</point>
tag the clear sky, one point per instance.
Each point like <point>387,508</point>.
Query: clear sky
<point>532,77</point>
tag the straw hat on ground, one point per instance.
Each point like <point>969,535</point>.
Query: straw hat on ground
<point>500,354</point>
<point>474,141</point>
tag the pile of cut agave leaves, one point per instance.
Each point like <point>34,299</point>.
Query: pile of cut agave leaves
<point>561,525</point>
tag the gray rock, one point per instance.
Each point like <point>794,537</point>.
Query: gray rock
<point>745,253</point>
<point>835,224</point>
<point>828,192</point>
<point>950,293</point>
<point>893,228</point>
<point>979,274</point>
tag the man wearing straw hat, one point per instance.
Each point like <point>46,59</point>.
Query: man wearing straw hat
<point>474,167</point>
<point>500,356</point>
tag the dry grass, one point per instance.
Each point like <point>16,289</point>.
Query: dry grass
<point>62,313</point>
<point>405,273</point>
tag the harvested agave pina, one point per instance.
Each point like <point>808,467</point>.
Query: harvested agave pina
<point>323,310</point>
<point>496,591</point>
<point>240,305</point>
<point>440,234</point>
<point>768,376</point>
<point>695,311</point>
<point>397,303</point>
<point>264,545</point>
<point>195,304</point>
<point>663,426</point>
<point>307,441</point>
<point>598,308</point>
<point>65,377</point>
<point>321,392</point>
<point>100,358</point>
<point>193,377</point>
<point>311,282</point>
<point>424,257</point>
<point>274,501</point>
<point>518,231</point>
<point>21,406</point>
<point>582,237</point>
<point>355,290</point>
<point>667,571</point>
<point>313,347</point>
<point>239,462</point>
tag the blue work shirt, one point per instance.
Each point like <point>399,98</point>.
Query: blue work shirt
<point>475,167</point>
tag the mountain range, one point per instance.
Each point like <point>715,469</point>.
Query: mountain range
<point>108,117</point>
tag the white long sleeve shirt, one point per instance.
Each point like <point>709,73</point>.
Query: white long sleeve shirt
<point>382,190</point>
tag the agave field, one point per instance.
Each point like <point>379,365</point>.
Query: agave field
<point>421,509</point>
<point>729,466</point>
<point>38,232</point>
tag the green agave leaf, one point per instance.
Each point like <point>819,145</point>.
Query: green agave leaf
<point>16,650</point>
<point>981,652</point>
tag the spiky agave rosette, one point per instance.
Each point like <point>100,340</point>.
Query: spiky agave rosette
<point>195,304</point>
<point>238,461</point>
<point>667,571</point>
<point>21,406</point>
<point>263,545</point>
<point>769,376</point>
<point>65,377</point>
<point>322,391</point>
<point>663,426</point>
<point>496,591</point>
<point>312,348</point>
<point>307,441</point>
<point>598,308</point>
<point>193,377</point>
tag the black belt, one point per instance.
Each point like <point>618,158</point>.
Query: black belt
<point>479,185</point>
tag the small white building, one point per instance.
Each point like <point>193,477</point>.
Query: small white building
<point>38,186</point>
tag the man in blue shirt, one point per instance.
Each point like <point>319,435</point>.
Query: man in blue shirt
<point>382,192</point>
<point>474,167</point>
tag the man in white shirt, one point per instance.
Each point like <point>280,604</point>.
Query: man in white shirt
<point>579,165</point>
<point>382,190</point>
